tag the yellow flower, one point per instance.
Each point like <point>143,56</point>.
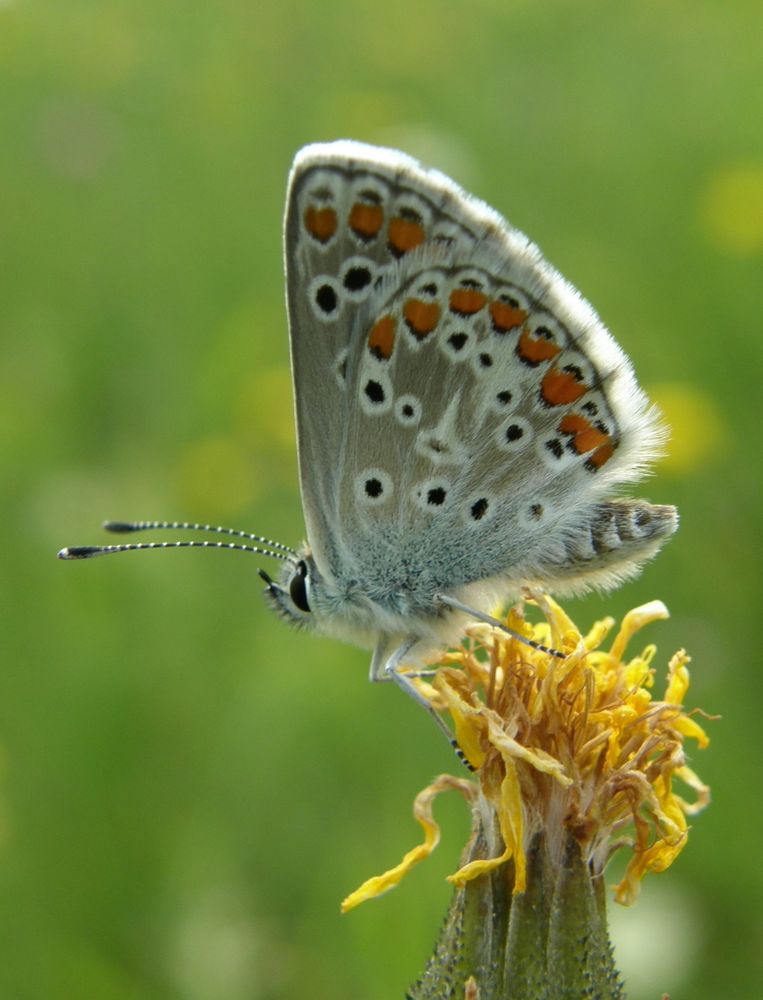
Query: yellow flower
<point>575,748</point>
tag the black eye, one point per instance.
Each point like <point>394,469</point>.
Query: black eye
<point>298,586</point>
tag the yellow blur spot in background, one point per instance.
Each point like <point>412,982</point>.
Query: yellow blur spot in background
<point>731,209</point>
<point>265,411</point>
<point>217,476</point>
<point>698,432</point>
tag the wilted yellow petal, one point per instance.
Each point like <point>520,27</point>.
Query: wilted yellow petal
<point>509,809</point>
<point>701,790</point>
<point>467,722</point>
<point>686,726</point>
<point>678,678</point>
<point>598,633</point>
<point>635,620</point>
<point>510,748</point>
<point>422,811</point>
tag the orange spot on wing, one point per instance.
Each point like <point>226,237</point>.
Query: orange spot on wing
<point>574,423</point>
<point>467,301</point>
<point>536,349</point>
<point>381,339</point>
<point>421,317</point>
<point>585,436</point>
<point>320,223</point>
<point>366,220</point>
<point>506,317</point>
<point>600,456</point>
<point>404,235</point>
<point>559,387</point>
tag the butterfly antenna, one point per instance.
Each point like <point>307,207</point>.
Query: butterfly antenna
<point>275,550</point>
<point>89,551</point>
<point>127,527</point>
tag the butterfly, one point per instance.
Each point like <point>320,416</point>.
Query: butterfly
<point>464,418</point>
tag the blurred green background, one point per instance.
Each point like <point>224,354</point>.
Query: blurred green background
<point>188,788</point>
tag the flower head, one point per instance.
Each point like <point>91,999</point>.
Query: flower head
<point>574,749</point>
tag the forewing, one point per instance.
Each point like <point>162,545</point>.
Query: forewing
<point>351,218</point>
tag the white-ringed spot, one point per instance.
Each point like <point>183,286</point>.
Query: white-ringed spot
<point>502,400</point>
<point>375,393</point>
<point>358,275</point>
<point>326,298</point>
<point>408,410</point>
<point>479,509</point>
<point>373,487</point>
<point>457,342</point>
<point>431,495</point>
<point>514,434</point>
<point>483,361</point>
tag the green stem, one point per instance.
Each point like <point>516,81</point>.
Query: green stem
<point>549,942</point>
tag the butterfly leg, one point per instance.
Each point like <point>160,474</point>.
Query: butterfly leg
<point>455,605</point>
<point>388,666</point>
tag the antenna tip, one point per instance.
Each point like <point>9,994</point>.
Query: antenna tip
<point>119,527</point>
<point>79,552</point>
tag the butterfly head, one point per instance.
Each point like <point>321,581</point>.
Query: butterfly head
<point>291,596</point>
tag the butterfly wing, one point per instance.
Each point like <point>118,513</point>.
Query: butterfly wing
<point>464,414</point>
<point>349,223</point>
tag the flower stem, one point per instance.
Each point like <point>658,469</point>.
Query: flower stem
<point>549,942</point>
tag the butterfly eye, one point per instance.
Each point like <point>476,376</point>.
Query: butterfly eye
<point>298,587</point>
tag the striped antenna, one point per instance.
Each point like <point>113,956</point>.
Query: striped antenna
<point>126,527</point>
<point>275,550</point>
